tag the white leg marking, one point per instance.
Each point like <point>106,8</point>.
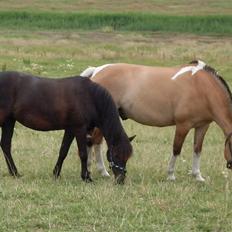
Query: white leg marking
<point>99,160</point>
<point>171,167</point>
<point>90,157</point>
<point>196,167</point>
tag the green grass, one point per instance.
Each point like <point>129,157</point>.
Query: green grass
<point>167,7</point>
<point>52,38</point>
<point>216,24</point>
<point>147,201</point>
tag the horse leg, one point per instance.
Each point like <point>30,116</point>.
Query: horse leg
<point>180,135</point>
<point>199,135</point>
<point>90,156</point>
<point>99,160</point>
<point>65,145</point>
<point>7,134</point>
<point>81,143</point>
<point>96,139</point>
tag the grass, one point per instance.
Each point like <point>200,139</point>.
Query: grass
<point>216,24</point>
<point>147,202</point>
<point>38,37</point>
<point>167,7</point>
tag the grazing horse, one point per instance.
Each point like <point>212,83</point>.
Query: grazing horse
<point>189,96</point>
<point>74,104</point>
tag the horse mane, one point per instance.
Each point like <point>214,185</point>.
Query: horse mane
<point>109,121</point>
<point>215,74</point>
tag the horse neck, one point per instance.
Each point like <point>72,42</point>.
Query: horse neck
<point>224,121</point>
<point>108,117</point>
<point>112,131</point>
<point>222,111</point>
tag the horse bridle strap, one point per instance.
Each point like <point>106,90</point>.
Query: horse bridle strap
<point>114,165</point>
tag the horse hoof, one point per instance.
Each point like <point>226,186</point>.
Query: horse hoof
<point>105,174</point>
<point>88,180</point>
<point>171,177</point>
<point>200,178</point>
<point>197,176</point>
<point>15,174</point>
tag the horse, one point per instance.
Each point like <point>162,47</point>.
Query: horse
<point>73,104</point>
<point>190,96</point>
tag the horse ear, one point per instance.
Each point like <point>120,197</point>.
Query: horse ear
<point>132,138</point>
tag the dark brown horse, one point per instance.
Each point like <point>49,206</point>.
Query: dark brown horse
<point>188,96</point>
<point>74,104</point>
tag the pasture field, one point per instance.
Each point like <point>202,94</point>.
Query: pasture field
<point>174,7</point>
<point>147,201</point>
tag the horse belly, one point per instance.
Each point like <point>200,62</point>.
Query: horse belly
<point>151,114</point>
<point>37,121</point>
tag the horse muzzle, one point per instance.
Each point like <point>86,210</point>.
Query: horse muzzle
<point>120,179</point>
<point>229,164</point>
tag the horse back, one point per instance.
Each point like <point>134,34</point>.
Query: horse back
<point>45,104</point>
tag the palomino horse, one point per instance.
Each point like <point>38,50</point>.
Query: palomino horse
<point>190,96</point>
<point>74,104</point>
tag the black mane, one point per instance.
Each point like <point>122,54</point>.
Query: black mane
<point>212,71</point>
<point>109,121</point>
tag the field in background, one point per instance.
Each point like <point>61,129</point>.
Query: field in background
<point>108,22</point>
<point>173,7</point>
<point>147,202</point>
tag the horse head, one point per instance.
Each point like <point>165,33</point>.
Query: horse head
<point>117,157</point>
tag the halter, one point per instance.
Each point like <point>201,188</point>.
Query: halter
<point>113,165</point>
<point>229,163</point>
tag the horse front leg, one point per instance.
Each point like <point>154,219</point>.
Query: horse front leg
<point>81,140</point>
<point>99,160</point>
<point>7,134</point>
<point>180,135</point>
<point>96,139</point>
<point>199,136</point>
<point>65,145</point>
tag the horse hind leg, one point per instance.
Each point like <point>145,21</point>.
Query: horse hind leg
<point>180,135</point>
<point>199,135</point>
<point>7,133</point>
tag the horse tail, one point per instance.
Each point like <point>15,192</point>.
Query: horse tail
<point>88,72</point>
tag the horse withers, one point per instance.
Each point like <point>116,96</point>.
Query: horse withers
<point>189,96</point>
<point>74,104</point>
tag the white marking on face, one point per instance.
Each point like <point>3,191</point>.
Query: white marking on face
<point>192,69</point>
